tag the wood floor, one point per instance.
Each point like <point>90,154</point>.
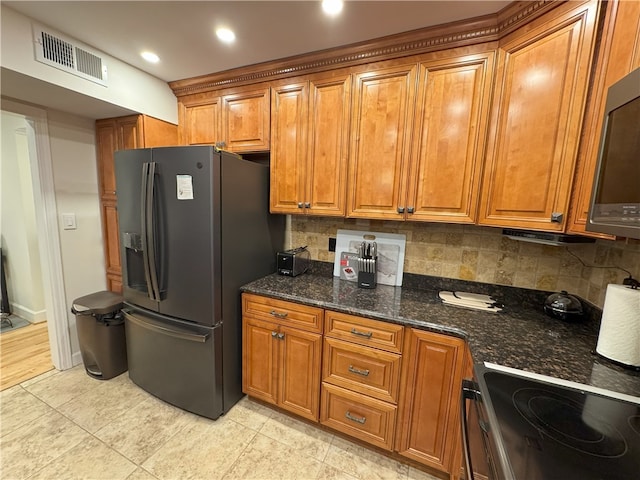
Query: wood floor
<point>24,354</point>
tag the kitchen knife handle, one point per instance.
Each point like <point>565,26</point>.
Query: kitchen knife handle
<point>279,314</point>
<point>362,334</point>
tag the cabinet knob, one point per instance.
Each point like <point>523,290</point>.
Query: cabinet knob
<point>307,205</point>
<point>281,336</point>
<point>400,209</point>
<point>556,217</point>
<point>300,205</point>
<point>274,334</point>
<point>410,209</point>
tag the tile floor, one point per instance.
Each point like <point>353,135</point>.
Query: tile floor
<point>67,425</point>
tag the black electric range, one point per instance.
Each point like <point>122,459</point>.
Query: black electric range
<point>533,429</point>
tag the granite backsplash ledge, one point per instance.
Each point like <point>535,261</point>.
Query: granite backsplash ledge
<point>485,256</point>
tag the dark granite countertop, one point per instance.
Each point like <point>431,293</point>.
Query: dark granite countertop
<point>521,336</point>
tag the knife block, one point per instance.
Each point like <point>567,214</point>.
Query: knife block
<point>367,277</point>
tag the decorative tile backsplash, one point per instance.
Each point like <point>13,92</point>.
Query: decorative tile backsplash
<point>483,254</point>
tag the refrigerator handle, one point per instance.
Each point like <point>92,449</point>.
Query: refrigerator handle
<point>143,227</point>
<point>175,332</point>
<point>150,228</point>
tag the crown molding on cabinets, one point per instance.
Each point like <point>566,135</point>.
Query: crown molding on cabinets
<point>467,32</point>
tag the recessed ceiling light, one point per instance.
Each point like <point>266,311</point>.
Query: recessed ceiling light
<point>332,7</point>
<point>150,57</point>
<point>225,35</point>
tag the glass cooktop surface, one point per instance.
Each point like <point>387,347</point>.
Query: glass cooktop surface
<point>549,431</point>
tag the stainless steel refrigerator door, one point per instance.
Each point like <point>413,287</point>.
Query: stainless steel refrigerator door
<point>188,226</point>
<point>176,361</point>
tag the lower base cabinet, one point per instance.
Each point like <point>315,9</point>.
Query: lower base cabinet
<point>393,387</point>
<point>428,429</point>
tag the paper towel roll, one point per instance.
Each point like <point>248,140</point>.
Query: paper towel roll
<point>619,337</point>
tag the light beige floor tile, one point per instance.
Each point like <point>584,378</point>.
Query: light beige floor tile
<point>204,449</point>
<point>90,459</point>
<point>18,407</point>
<point>141,474</point>
<point>103,404</point>
<point>31,447</point>
<point>250,414</point>
<point>306,439</point>
<point>141,431</point>
<point>33,380</point>
<point>364,463</point>
<point>415,474</point>
<point>327,472</point>
<point>63,387</point>
<point>267,459</point>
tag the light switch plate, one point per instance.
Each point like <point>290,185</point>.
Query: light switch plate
<point>69,221</point>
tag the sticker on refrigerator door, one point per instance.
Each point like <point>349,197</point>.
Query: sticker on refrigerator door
<point>185,187</point>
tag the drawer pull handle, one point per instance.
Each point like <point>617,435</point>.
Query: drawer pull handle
<point>364,373</point>
<point>278,314</point>
<point>362,334</point>
<point>359,420</point>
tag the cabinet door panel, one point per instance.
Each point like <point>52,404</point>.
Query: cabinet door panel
<point>202,123</point>
<point>380,141</point>
<point>259,357</point>
<point>106,145</point>
<point>328,144</point>
<point>111,238</point>
<point>542,80</point>
<point>245,121</point>
<point>288,153</point>
<point>431,381</point>
<point>300,372</point>
<point>452,109</point>
<point>129,133</point>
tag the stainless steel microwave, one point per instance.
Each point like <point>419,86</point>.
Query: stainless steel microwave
<point>615,198</point>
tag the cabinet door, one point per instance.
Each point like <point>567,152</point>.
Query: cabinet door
<point>328,146</point>
<point>289,148</point>
<point>200,121</point>
<point>111,238</point>
<point>430,398</point>
<point>383,105</point>
<point>129,132</point>
<point>449,139</point>
<point>541,83</point>
<point>106,145</point>
<point>617,56</point>
<point>300,372</point>
<point>245,121</point>
<point>259,359</point>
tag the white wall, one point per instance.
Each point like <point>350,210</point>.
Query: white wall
<point>73,155</point>
<point>151,96</point>
<point>18,223</point>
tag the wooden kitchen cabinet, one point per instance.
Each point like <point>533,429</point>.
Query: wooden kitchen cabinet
<point>134,131</point>
<point>360,377</point>
<point>618,54</point>
<point>236,120</point>
<point>281,358</point>
<point>309,148</point>
<point>428,421</point>
<point>539,97</point>
<point>381,123</point>
<point>449,137</point>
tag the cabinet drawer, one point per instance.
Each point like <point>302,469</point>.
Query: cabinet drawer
<point>363,369</point>
<point>285,313</point>
<point>357,415</point>
<point>364,331</point>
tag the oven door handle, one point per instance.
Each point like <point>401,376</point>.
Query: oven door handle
<point>469,392</point>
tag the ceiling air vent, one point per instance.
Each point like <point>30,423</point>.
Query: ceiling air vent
<point>66,54</point>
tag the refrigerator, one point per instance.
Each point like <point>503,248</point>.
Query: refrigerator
<point>194,226</point>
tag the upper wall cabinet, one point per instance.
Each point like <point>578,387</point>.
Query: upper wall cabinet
<point>235,120</point>
<point>619,54</point>
<point>309,148</point>
<point>449,138</point>
<point>383,105</point>
<point>540,90</point>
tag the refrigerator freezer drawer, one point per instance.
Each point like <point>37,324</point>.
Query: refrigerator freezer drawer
<point>177,362</point>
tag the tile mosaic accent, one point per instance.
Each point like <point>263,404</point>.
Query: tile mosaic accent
<point>483,254</point>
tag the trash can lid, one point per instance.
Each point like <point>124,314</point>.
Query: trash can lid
<point>99,303</point>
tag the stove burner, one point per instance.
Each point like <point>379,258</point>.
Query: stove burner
<point>634,423</point>
<point>566,422</point>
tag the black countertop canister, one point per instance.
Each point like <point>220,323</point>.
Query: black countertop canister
<point>564,306</point>
<point>521,336</point>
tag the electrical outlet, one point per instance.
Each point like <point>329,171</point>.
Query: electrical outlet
<point>332,244</point>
